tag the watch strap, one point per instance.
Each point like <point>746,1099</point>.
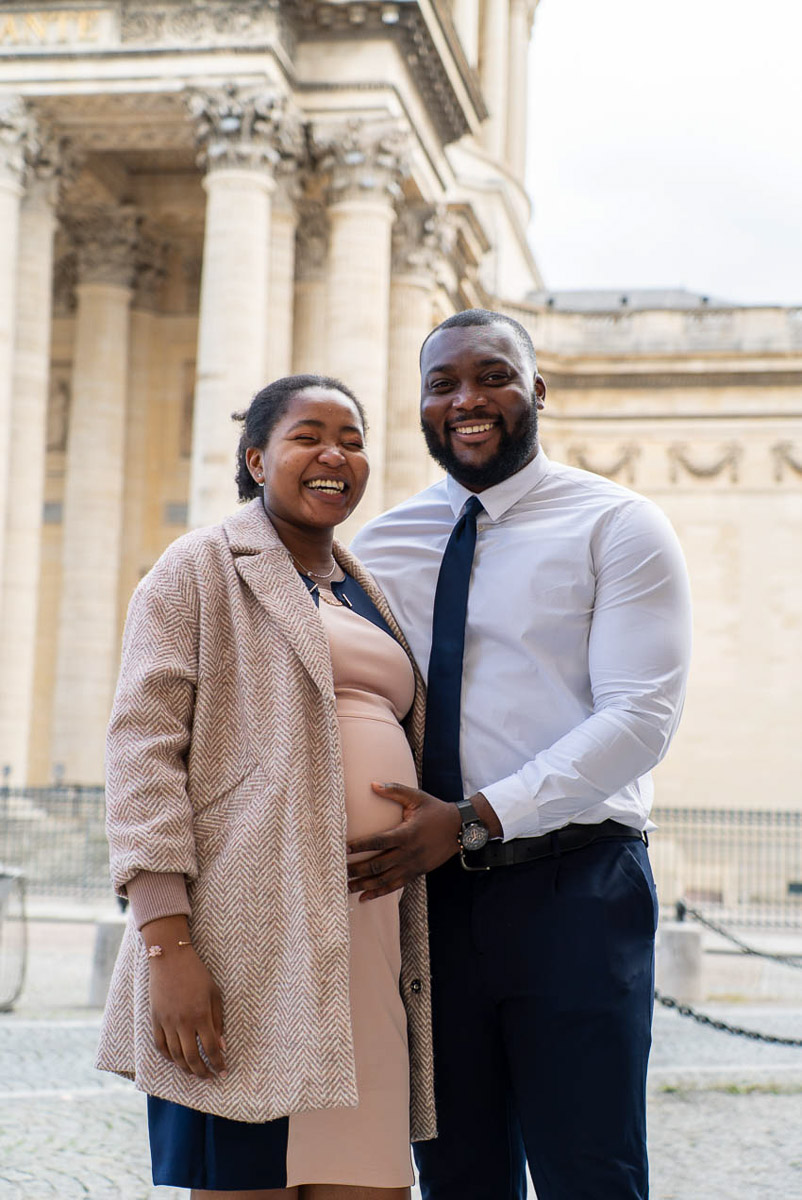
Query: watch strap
<point>468,814</point>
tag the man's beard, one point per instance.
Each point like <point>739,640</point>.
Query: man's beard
<point>514,452</point>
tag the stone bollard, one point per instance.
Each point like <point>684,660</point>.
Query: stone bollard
<point>108,936</point>
<point>678,967</point>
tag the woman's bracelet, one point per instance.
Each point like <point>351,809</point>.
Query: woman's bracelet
<point>158,951</point>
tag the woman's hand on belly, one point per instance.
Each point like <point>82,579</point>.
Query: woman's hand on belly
<point>425,838</point>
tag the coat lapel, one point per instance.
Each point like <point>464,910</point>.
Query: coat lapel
<point>264,566</point>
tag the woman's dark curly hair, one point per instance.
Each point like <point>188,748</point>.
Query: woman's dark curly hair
<point>266,409</point>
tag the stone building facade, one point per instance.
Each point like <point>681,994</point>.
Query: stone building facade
<point>198,196</point>
<point>698,405</point>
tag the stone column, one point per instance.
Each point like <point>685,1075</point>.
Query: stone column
<point>466,19</point>
<point>493,70</point>
<point>15,126</point>
<point>366,164</point>
<point>86,662</point>
<point>522,14</point>
<point>26,454</point>
<point>281,277</point>
<point>243,135</point>
<point>144,418</point>
<point>420,237</point>
<point>309,347</point>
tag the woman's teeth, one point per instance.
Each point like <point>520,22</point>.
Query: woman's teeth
<point>326,485</point>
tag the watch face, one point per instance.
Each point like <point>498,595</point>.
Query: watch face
<point>474,836</point>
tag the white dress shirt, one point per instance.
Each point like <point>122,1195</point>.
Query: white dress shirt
<point>577,638</point>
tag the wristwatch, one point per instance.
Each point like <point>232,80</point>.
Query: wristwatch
<point>474,834</point>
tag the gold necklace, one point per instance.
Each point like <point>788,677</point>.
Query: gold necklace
<point>317,574</point>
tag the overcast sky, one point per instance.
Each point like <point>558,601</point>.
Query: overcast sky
<point>666,146</point>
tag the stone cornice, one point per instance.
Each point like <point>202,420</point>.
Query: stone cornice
<point>641,334</point>
<point>423,32</point>
<point>636,380</point>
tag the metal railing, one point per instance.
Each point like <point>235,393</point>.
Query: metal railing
<point>740,867</point>
<point>56,837</point>
<point>737,866</point>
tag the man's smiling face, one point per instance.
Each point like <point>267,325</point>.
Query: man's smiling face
<point>479,401</point>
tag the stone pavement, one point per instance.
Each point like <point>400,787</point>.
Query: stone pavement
<point>725,1114</point>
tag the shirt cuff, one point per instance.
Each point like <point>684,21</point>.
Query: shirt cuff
<point>155,894</point>
<point>514,807</point>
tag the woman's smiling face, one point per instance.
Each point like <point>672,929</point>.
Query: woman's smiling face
<point>315,466</point>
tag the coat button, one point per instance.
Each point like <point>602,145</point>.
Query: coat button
<point>415,986</point>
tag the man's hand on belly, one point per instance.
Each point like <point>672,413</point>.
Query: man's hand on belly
<point>426,838</point>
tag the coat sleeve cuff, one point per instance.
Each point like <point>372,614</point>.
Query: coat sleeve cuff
<point>154,894</point>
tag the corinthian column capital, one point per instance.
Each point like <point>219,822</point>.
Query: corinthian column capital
<point>364,158</point>
<point>423,235</point>
<point>106,242</point>
<point>245,127</point>
<point>150,268</point>
<point>52,163</point>
<point>311,240</point>
<point>17,126</point>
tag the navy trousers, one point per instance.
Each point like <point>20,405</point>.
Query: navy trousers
<point>543,982</point>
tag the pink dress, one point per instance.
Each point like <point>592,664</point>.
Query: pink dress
<point>367,1146</point>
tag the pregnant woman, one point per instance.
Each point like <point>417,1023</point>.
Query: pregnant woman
<point>271,1018</point>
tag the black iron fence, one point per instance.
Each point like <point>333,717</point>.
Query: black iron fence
<point>735,866</point>
<point>56,837</point>
<point>739,866</point>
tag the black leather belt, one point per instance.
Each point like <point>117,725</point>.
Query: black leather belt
<point>549,845</point>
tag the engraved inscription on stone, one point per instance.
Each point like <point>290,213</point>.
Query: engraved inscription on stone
<point>55,28</point>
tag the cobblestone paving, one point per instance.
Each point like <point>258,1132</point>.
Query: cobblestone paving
<point>725,1114</point>
<point>69,1132</point>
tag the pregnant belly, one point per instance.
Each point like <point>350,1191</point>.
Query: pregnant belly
<point>373,750</point>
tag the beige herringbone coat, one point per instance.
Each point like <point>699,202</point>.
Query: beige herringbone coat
<point>224,763</point>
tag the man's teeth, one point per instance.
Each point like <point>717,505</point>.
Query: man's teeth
<point>474,428</point>
<point>326,485</point>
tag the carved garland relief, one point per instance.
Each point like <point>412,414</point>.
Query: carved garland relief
<point>696,462</point>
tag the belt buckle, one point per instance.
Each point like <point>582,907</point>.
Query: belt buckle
<point>465,865</point>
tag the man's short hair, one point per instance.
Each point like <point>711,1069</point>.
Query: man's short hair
<point>485,316</point>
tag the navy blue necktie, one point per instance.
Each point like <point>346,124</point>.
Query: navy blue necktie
<point>442,775</point>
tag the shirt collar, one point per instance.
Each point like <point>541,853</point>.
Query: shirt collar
<point>499,499</point>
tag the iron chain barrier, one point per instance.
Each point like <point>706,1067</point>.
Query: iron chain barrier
<point>789,960</point>
<point>686,1010</point>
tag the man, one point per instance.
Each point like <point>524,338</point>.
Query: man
<point>541,730</point>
